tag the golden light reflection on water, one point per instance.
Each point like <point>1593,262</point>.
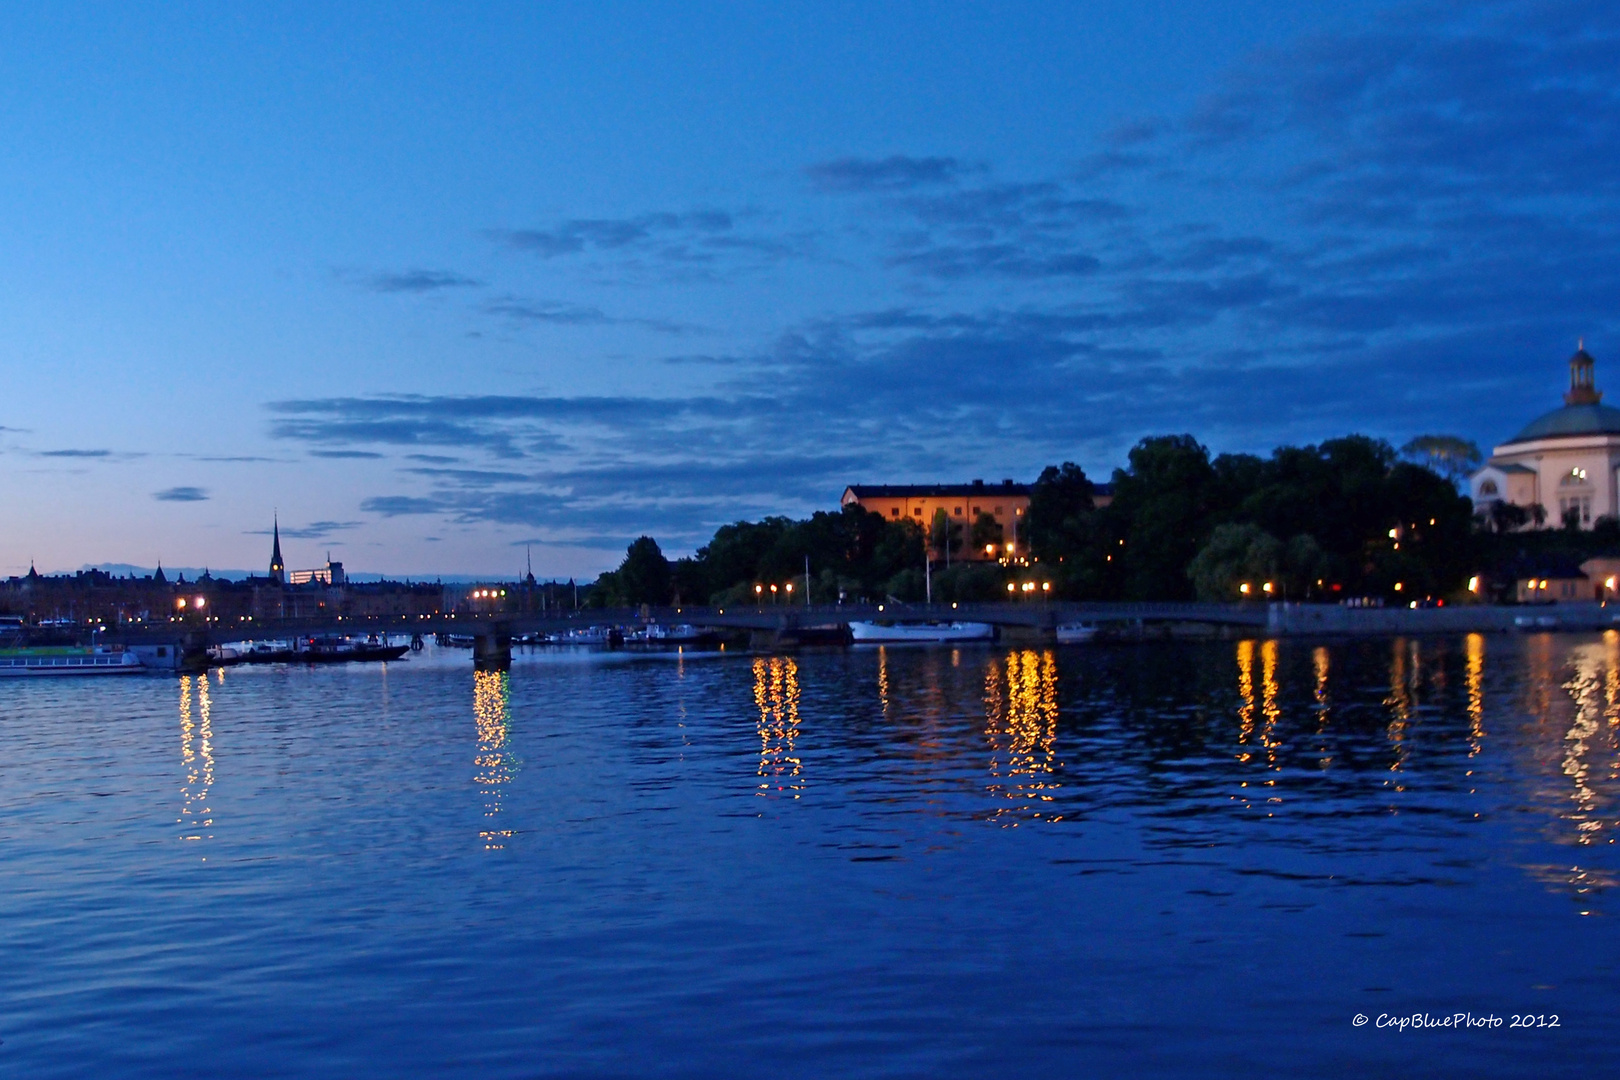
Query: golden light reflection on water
<point>1268,700</point>
<point>1021,714</point>
<point>1585,687</point>
<point>1587,743</point>
<point>1322,664</point>
<point>1404,665</point>
<point>1245,664</point>
<point>494,762</point>
<point>883,679</point>
<point>196,760</point>
<point>1475,650</point>
<point>776,696</point>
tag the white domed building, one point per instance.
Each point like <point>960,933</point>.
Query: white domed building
<point>1567,462</point>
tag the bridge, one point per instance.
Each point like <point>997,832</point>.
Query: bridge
<point>784,626</point>
<point>768,626</point>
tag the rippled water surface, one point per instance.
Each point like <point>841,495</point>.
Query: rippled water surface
<point>1172,859</point>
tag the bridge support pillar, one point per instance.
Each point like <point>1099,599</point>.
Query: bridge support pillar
<point>1014,634</point>
<point>492,651</point>
<point>193,650</point>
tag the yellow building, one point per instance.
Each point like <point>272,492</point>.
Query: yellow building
<point>1565,462</point>
<point>1006,502</point>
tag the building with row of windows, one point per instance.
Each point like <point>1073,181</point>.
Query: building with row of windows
<point>991,514</point>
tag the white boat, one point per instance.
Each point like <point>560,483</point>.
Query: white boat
<point>677,634</point>
<point>880,633</point>
<point>1075,633</point>
<point>68,660</point>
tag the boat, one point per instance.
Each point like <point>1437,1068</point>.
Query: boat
<point>866,633</point>
<point>69,660</point>
<point>315,650</point>
<point>338,650</point>
<point>263,652</point>
<point>592,635</point>
<point>1075,633</point>
<point>677,634</point>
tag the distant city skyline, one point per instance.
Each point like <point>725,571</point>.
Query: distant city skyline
<point>436,284</point>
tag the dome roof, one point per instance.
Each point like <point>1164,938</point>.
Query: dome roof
<point>1571,420</point>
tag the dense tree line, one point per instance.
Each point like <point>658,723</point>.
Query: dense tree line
<point>1347,517</point>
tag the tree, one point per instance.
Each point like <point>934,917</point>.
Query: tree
<point>944,535</point>
<point>1059,505</point>
<point>986,531</point>
<point>644,577</point>
<point>1504,516</point>
<point>1162,506</point>
<point>1450,456</point>
<point>1235,555</point>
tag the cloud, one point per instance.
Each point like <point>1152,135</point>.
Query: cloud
<point>894,173</point>
<point>611,234</point>
<point>557,313</point>
<point>400,505</point>
<point>76,453</point>
<point>698,245</point>
<point>363,455</point>
<point>181,494</point>
<point>420,281</point>
<point>315,530</point>
<point>236,458</point>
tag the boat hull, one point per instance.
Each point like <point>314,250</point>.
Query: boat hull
<point>871,633</point>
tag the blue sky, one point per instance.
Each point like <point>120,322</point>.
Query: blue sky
<point>439,283</point>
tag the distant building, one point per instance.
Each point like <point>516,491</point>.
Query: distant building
<point>1005,503</point>
<point>330,574</point>
<point>1566,462</point>
<point>1551,579</point>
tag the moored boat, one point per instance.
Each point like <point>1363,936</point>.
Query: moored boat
<point>676,634</point>
<point>868,633</point>
<point>1075,633</point>
<point>68,660</point>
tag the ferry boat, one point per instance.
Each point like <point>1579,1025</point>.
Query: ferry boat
<point>68,660</point>
<point>867,633</point>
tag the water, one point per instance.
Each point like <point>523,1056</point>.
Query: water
<point>1177,859</point>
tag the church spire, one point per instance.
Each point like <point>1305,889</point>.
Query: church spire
<point>278,569</point>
